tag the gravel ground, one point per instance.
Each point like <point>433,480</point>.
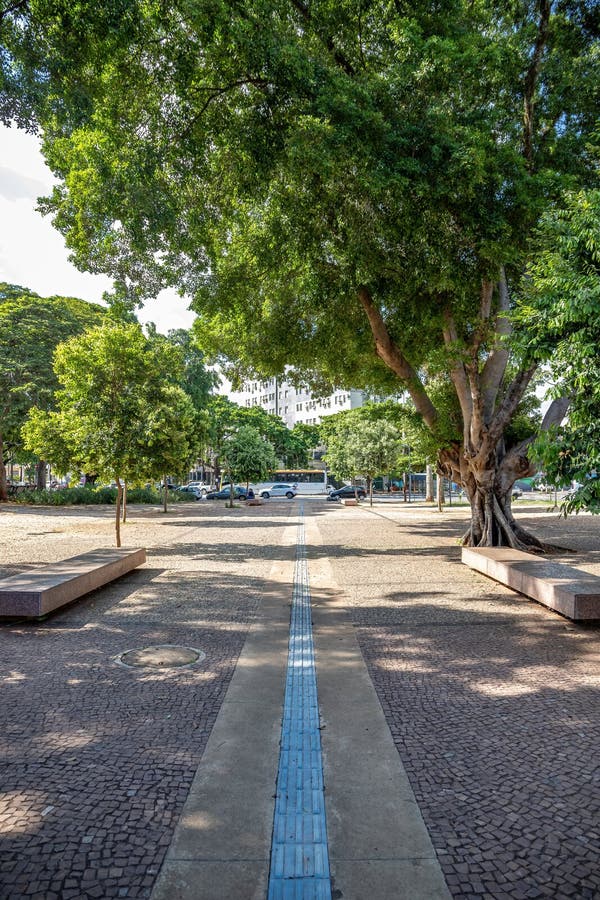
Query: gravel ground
<point>96,758</point>
<point>493,700</point>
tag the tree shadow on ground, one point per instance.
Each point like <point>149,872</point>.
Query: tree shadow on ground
<point>238,553</point>
<point>496,716</point>
<point>94,749</point>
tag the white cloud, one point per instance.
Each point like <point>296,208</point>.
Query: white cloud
<point>33,253</point>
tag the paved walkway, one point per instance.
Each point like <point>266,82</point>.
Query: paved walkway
<point>488,713</point>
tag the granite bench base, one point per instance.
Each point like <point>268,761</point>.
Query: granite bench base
<point>566,590</point>
<point>40,591</point>
<point>350,502</point>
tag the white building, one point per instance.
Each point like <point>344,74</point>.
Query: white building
<point>294,405</point>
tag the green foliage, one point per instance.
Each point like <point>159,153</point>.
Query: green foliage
<point>198,382</point>
<point>289,446</point>
<point>559,305</point>
<point>31,327</point>
<point>363,448</point>
<point>169,441</point>
<point>332,149</point>
<point>248,456</point>
<point>309,435</point>
<point>226,417</point>
<point>94,496</point>
<point>48,432</point>
<point>121,412</point>
<point>562,299</point>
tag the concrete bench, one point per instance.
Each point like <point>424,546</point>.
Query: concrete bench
<point>350,502</point>
<point>39,591</point>
<point>568,591</point>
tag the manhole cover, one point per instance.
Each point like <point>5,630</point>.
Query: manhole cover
<point>162,656</point>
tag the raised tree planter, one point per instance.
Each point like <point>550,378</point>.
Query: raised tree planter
<point>566,590</point>
<point>40,591</point>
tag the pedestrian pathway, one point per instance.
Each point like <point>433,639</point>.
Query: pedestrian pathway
<point>299,854</point>
<point>487,702</point>
<point>230,835</point>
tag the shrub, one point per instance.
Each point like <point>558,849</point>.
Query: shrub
<point>101,495</point>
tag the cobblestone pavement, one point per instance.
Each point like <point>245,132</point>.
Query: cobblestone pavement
<point>96,758</point>
<point>493,701</point>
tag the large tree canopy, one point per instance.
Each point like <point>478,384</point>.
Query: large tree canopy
<point>31,327</point>
<point>349,188</point>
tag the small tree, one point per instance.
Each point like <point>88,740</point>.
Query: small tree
<point>248,457</point>
<point>365,448</point>
<point>120,412</point>
<point>340,462</point>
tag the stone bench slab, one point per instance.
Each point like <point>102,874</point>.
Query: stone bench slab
<point>568,591</point>
<point>40,591</point>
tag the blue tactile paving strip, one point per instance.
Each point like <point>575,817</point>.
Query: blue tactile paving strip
<point>299,856</point>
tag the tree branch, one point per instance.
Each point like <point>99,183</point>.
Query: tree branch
<point>339,57</point>
<point>477,423</point>
<point>531,81</point>
<point>516,463</point>
<point>485,309</point>
<point>390,354</point>
<point>218,91</point>
<point>495,366</point>
<point>555,412</point>
<point>504,414</point>
<point>458,376</point>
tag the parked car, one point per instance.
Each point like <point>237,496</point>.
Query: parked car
<point>239,493</point>
<point>348,491</point>
<point>524,484</point>
<point>190,490</point>
<point>202,486</point>
<point>279,490</point>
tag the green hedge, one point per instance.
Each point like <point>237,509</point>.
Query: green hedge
<point>79,495</point>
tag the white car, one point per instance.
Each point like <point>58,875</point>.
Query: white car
<point>279,490</point>
<point>201,487</point>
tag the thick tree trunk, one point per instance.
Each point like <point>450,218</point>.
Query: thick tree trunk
<point>124,519</point>
<point>488,394</point>
<point>3,478</point>
<point>488,484</point>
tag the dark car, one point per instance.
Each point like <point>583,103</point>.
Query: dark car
<point>239,493</point>
<point>348,491</point>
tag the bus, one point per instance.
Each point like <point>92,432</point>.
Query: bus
<point>307,481</point>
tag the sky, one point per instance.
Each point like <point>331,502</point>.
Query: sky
<point>33,253</point>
